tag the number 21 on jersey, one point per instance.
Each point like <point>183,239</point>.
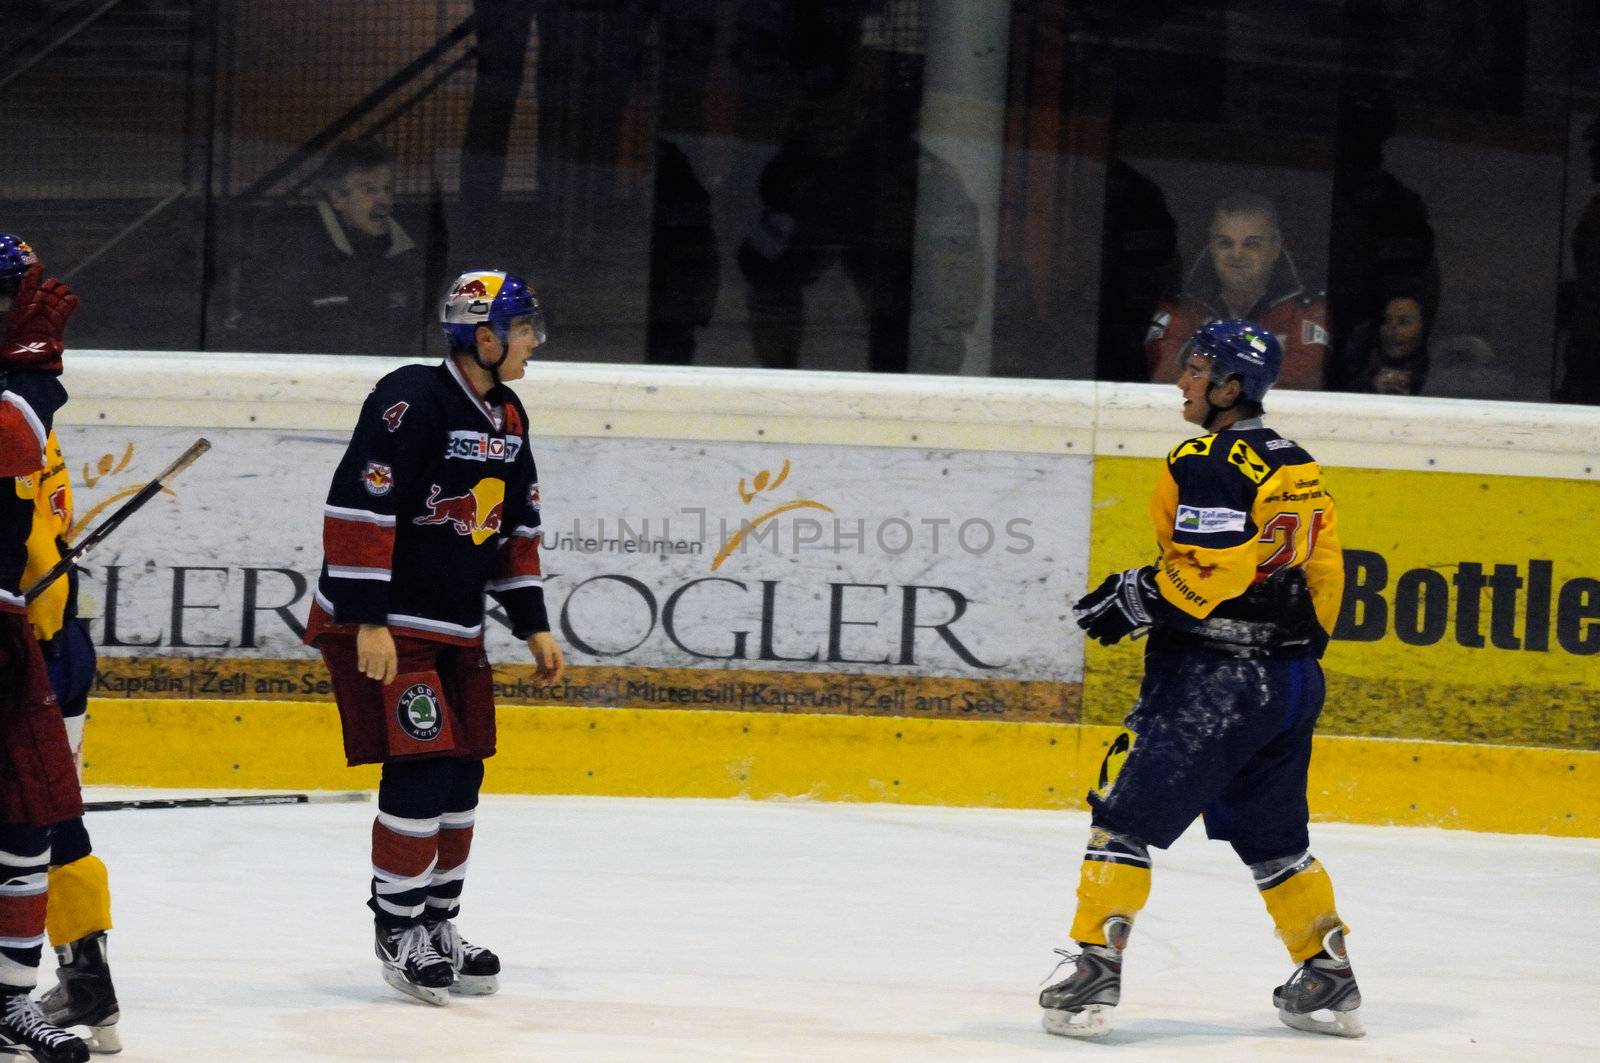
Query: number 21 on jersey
<point>1282,533</point>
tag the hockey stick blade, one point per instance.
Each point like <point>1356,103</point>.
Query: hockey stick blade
<point>236,801</point>
<point>109,525</point>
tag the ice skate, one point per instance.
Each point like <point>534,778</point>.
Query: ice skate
<point>24,1031</point>
<point>1321,996</point>
<point>477,969</point>
<point>412,965</point>
<point>83,994</point>
<point>1081,1005</point>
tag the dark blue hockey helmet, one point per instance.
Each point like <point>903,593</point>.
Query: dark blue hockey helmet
<point>488,297</point>
<point>15,257</point>
<point>1241,349</point>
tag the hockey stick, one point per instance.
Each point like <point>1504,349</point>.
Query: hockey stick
<point>229,802</point>
<point>109,525</point>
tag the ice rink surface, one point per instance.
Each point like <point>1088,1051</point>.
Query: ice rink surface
<point>636,929</point>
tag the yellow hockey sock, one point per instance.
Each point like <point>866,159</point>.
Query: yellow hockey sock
<point>1114,881</point>
<point>79,901</point>
<point>1302,907</point>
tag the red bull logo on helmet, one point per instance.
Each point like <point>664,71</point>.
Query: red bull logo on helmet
<point>477,514</point>
<point>469,301</point>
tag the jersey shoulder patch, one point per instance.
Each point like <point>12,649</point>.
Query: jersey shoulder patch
<point>1242,456</point>
<point>1200,446</point>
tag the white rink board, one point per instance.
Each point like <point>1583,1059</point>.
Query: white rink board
<point>710,930</point>
<point>855,555</point>
<point>319,392</point>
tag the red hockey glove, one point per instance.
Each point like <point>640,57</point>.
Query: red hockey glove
<point>37,322</point>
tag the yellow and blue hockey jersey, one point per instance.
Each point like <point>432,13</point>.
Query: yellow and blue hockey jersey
<point>1249,550</point>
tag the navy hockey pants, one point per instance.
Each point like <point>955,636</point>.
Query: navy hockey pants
<point>1219,736</point>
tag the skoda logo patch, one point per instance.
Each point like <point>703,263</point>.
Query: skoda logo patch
<point>418,712</point>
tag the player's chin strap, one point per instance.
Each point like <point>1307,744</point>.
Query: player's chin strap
<point>505,352</point>
<point>1214,411</point>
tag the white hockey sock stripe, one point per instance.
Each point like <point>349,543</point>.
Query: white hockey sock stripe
<point>389,882</point>
<point>15,975</point>
<point>26,885</point>
<point>458,820</point>
<point>27,861</point>
<point>411,828</point>
<point>19,961</point>
<point>405,911</point>
<point>452,874</point>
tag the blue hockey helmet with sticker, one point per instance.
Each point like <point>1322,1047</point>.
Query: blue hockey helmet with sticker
<point>1242,350</point>
<point>488,297</point>
<point>15,257</point>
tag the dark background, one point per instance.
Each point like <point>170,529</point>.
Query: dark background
<point>625,154</point>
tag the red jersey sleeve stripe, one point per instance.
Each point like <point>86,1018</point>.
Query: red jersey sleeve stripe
<point>355,545</point>
<point>520,558</point>
<point>22,436</point>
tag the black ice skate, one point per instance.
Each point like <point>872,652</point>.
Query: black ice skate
<point>412,965</point>
<point>83,994</point>
<point>477,969</point>
<point>24,1031</point>
<point>1321,996</point>
<point>1081,1005</point>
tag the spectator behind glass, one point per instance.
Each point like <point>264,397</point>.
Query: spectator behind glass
<point>342,277</point>
<point>1245,273</point>
<point>1580,297</point>
<point>1394,356</point>
<point>1380,241</point>
<point>1139,264</point>
<point>830,197</point>
<point>685,269</point>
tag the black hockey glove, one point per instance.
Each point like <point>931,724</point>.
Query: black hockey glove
<point>1125,602</point>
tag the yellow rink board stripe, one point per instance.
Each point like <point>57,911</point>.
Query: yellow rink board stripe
<point>696,753</point>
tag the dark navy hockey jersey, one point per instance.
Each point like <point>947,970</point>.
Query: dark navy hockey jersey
<point>435,502</point>
<point>28,407</point>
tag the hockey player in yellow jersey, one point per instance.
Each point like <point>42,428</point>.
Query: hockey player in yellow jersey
<point>79,911</point>
<point>1239,606</point>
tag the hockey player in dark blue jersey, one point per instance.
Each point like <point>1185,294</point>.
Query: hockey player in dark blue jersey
<point>1239,607</point>
<point>435,504</point>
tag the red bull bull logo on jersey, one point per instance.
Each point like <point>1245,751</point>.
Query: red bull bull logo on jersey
<point>477,514</point>
<point>377,478</point>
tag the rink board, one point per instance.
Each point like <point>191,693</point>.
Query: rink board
<point>1471,609</point>
<point>922,668</point>
<point>699,753</point>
